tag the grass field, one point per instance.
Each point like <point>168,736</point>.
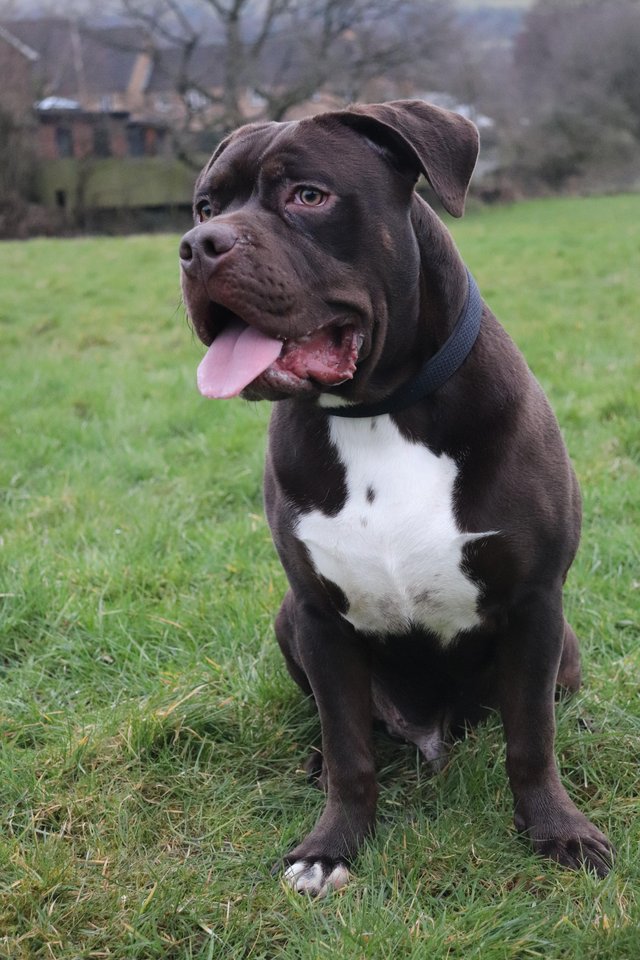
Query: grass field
<point>151,741</point>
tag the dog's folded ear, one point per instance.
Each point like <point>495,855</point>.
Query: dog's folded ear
<point>436,142</point>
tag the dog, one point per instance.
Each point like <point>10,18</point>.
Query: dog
<point>418,491</point>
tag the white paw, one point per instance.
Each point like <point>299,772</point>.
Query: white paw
<point>315,877</point>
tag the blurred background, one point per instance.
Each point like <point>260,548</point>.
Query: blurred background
<point>107,112</point>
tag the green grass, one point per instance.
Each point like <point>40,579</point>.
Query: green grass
<point>151,741</point>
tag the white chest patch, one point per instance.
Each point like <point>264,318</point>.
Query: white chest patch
<point>394,549</point>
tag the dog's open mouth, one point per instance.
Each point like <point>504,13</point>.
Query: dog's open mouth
<point>240,353</point>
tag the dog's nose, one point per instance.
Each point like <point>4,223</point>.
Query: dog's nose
<point>208,241</point>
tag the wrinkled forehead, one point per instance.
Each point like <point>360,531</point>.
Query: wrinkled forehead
<point>293,150</point>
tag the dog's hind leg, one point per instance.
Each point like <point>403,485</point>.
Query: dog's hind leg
<point>285,635</point>
<point>569,671</point>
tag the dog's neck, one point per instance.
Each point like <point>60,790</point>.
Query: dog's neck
<point>444,324</point>
<point>437,369</point>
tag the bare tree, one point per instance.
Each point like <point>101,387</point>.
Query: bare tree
<point>236,60</point>
<point>577,86</point>
<point>17,167</point>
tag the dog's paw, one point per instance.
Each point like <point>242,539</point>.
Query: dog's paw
<point>591,850</point>
<point>316,877</point>
<point>571,840</point>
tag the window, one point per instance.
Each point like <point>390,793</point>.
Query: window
<point>135,141</point>
<point>64,142</point>
<point>101,143</point>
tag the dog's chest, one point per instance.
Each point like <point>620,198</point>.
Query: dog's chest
<point>394,549</point>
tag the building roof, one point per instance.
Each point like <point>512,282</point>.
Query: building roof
<point>205,68</point>
<point>72,60</point>
<point>17,44</point>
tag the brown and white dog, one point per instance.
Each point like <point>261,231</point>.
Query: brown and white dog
<point>425,540</point>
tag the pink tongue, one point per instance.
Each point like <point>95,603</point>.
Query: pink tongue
<point>236,357</point>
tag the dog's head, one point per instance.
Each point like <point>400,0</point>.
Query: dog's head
<point>303,258</point>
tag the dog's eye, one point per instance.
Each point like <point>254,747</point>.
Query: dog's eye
<point>309,196</point>
<point>204,211</point>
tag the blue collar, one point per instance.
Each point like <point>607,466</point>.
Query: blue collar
<point>435,371</point>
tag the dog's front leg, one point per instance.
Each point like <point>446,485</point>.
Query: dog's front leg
<point>528,666</point>
<point>338,671</point>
